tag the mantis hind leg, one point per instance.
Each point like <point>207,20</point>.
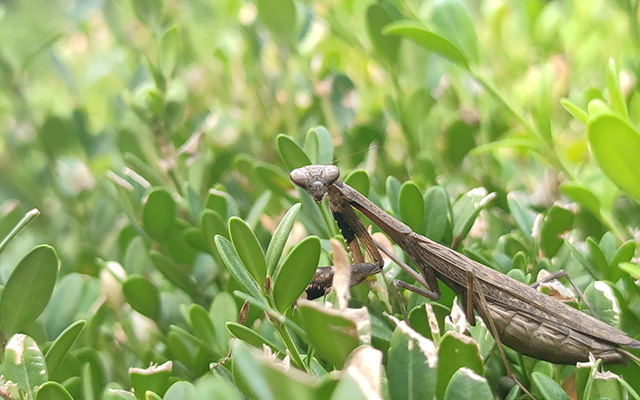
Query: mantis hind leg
<point>475,288</point>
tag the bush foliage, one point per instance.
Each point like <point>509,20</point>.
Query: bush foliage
<point>154,139</point>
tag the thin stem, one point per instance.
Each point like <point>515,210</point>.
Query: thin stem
<point>28,217</point>
<point>288,342</point>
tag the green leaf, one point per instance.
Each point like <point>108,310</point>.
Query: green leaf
<point>386,46</point>
<point>181,390</point>
<point>280,17</point>
<point>296,272</point>
<point>279,238</point>
<point>24,364</point>
<point>604,303</point>
<point>62,345</point>
<point>212,224</point>
<point>28,289</point>
<point>455,351</point>
<point>524,218</point>
<point>392,187</point>
<point>466,209</point>
<point>616,97</point>
<point>248,248</point>
<point>159,214</point>
<point>436,214</point>
<point>359,180</point>
<point>408,370</point>
<point>548,388</point>
<point>459,141</point>
<point>202,325</point>
<point>169,50</point>
<point>466,384</point>
<point>581,195</point>
<point>321,137</point>
<point>235,266</point>
<point>330,332</point>
<point>53,391</point>
<point>615,145</point>
<point>429,40</point>
<point>174,273</point>
<point>223,310</point>
<point>142,295</point>
<point>258,209</point>
<point>153,378</point>
<point>631,268</point>
<point>453,20</point>
<point>217,201</point>
<point>598,260</point>
<point>292,155</point>
<point>411,206</point>
<point>557,221</point>
<point>624,253</point>
<point>575,111</point>
<point>250,336</point>
<point>542,110</point>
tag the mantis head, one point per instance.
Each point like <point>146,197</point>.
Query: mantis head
<point>315,179</point>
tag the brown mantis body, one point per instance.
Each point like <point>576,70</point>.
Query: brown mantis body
<point>518,316</point>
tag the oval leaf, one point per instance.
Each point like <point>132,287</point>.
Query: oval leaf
<point>436,204</point>
<point>61,346</point>
<point>411,206</point>
<point>248,248</point>
<point>279,239</point>
<point>142,295</point>
<point>359,180</point>
<point>53,391</point>
<point>24,364</point>
<point>159,214</point>
<point>466,384</point>
<point>615,146</point>
<point>250,336</point>
<point>456,351</point>
<point>28,289</point>
<point>429,40</point>
<point>172,271</point>
<point>234,264</point>
<point>296,272</point>
<point>292,155</point>
<point>454,21</point>
<point>549,389</point>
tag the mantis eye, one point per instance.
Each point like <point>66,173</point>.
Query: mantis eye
<point>300,177</point>
<point>331,174</point>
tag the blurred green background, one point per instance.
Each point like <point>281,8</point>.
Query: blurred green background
<point>107,104</point>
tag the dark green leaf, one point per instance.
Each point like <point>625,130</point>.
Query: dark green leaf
<point>159,214</point>
<point>202,325</point>
<point>53,391</point>
<point>319,145</point>
<point>456,351</point>
<point>142,295</point>
<point>296,272</point>
<point>459,141</point>
<point>549,389</point>
<point>28,289</point>
<point>615,145</point>
<point>250,336</point>
<point>582,196</point>
<point>174,273</point>
<point>557,221</point>
<point>279,239</point>
<point>436,204</point>
<point>248,248</point>
<point>153,378</point>
<point>411,206</point>
<point>408,370</point>
<point>62,345</point>
<point>359,180</point>
<point>386,46</point>
<point>235,266</point>
<point>466,384</point>
<point>598,260</point>
<point>332,334</point>
<point>523,217</point>
<point>292,155</point>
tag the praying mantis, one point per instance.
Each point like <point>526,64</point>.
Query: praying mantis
<point>516,315</point>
